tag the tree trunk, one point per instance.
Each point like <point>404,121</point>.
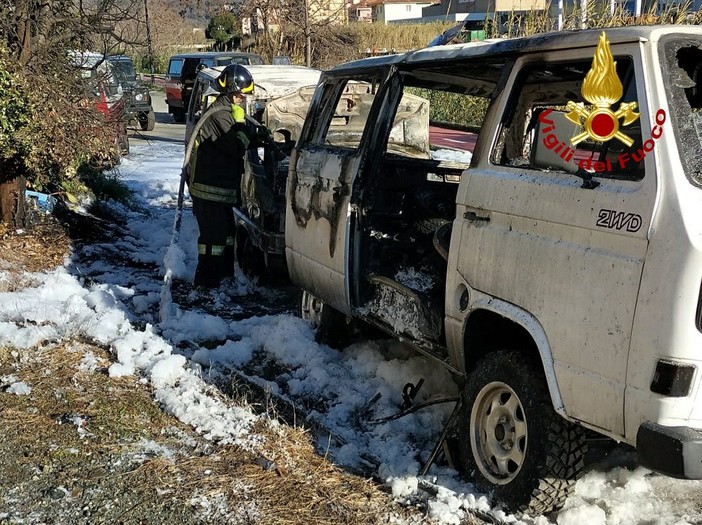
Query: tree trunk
<point>24,31</point>
<point>11,198</point>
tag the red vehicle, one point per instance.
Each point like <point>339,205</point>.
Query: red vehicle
<point>114,114</point>
<point>101,83</point>
<point>183,68</point>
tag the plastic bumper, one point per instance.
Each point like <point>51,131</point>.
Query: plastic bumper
<point>673,451</point>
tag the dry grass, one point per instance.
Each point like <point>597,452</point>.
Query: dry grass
<point>285,482</point>
<point>86,448</point>
<point>43,248</point>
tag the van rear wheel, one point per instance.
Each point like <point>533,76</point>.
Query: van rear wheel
<point>511,440</point>
<point>332,327</point>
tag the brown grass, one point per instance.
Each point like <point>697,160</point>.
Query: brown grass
<point>42,248</point>
<point>109,474</point>
<point>286,481</point>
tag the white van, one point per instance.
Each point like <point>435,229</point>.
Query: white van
<point>545,245</point>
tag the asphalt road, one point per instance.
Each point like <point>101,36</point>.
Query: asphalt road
<point>165,130</point>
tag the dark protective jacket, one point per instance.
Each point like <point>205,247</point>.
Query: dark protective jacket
<point>218,164</point>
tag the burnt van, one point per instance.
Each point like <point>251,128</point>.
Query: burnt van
<point>528,214</point>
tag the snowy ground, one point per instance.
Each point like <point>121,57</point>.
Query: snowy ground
<point>112,294</point>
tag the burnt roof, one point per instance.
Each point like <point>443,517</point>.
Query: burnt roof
<point>515,46</point>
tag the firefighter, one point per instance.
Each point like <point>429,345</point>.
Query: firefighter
<point>215,171</point>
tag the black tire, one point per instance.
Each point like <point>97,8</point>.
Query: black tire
<point>178,115</point>
<point>332,327</point>
<point>511,441</point>
<point>147,121</point>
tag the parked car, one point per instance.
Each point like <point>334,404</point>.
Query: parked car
<point>279,102</point>
<point>549,257</point>
<point>101,83</point>
<point>136,94</point>
<point>183,68</point>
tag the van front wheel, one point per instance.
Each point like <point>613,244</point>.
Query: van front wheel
<point>512,442</point>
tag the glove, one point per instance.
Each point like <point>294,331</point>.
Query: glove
<point>238,114</point>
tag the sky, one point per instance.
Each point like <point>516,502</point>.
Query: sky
<point>110,294</point>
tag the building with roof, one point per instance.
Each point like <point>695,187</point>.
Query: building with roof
<point>393,11</point>
<point>476,10</point>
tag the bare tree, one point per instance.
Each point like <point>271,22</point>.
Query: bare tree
<point>284,25</point>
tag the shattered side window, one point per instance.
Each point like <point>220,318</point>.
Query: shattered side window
<point>681,59</point>
<point>344,112</point>
<point>445,124</point>
<point>442,110</point>
<point>573,118</point>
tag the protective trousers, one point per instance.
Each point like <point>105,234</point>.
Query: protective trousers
<point>215,245</point>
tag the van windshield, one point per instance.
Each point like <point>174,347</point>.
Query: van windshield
<point>244,60</point>
<point>681,58</point>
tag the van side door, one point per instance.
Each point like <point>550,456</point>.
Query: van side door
<point>327,159</point>
<point>537,233</point>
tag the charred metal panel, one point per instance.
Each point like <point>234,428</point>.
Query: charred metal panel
<point>287,114</point>
<point>321,197</point>
<point>410,132</point>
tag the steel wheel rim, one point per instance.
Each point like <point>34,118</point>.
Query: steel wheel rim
<point>498,433</point>
<point>312,309</point>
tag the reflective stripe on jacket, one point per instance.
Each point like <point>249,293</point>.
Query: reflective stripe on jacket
<point>215,172</point>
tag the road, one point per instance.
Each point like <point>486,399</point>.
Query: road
<point>165,130</point>
<point>452,138</point>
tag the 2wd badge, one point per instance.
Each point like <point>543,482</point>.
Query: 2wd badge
<point>602,88</point>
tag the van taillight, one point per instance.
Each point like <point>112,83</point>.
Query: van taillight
<point>698,315</point>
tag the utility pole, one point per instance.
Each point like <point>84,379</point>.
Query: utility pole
<point>148,40</point>
<point>308,35</point>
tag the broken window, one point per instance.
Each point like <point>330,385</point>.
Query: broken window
<point>681,58</point>
<point>344,112</point>
<point>551,125</point>
<point>456,101</point>
<point>432,116</point>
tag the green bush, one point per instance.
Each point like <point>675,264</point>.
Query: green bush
<point>452,108</point>
<point>15,112</point>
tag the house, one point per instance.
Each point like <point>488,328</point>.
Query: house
<point>359,11</point>
<point>476,11</point>
<point>393,11</point>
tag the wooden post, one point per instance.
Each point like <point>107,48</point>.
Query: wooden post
<point>11,198</point>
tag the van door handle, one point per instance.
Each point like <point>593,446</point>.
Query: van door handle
<point>474,217</point>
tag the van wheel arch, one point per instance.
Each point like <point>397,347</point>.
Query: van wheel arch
<point>487,331</point>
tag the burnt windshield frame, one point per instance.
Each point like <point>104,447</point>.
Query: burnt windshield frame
<point>679,90</point>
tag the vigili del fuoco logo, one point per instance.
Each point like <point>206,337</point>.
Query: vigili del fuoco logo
<point>602,88</point>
